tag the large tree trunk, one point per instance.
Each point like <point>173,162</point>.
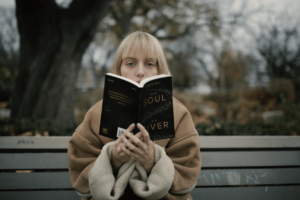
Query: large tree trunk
<point>53,41</point>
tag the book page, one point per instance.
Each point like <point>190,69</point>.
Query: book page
<point>146,80</point>
<point>120,106</point>
<point>143,82</point>
<point>125,79</point>
<point>121,98</point>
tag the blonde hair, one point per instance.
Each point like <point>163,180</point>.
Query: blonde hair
<point>140,42</point>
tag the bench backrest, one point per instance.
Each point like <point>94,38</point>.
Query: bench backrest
<point>35,168</point>
<point>249,167</point>
<point>233,167</point>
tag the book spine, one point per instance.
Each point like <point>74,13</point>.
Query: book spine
<point>140,104</point>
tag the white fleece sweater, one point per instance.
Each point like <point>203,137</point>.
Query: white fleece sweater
<point>104,185</point>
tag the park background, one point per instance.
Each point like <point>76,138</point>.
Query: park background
<point>235,63</point>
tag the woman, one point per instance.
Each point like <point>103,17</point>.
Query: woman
<point>133,166</point>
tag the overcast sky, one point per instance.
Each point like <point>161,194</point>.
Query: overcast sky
<point>9,3</point>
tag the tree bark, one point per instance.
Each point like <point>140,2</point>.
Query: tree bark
<point>52,42</point>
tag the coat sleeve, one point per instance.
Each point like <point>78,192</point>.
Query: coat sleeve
<point>83,150</point>
<point>184,151</point>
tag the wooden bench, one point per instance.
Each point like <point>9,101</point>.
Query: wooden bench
<point>233,167</point>
<point>249,168</point>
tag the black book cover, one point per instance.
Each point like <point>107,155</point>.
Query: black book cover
<point>126,102</point>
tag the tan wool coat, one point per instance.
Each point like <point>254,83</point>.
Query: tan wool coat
<point>174,175</point>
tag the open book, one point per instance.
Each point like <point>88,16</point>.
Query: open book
<point>149,103</point>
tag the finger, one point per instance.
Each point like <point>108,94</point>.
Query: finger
<point>126,151</point>
<point>132,148</point>
<point>125,140</point>
<point>126,137</point>
<point>132,138</point>
<point>122,153</point>
<point>139,135</point>
<point>127,144</point>
<point>118,141</point>
<point>131,127</point>
<point>144,132</point>
<point>130,153</point>
<point>119,148</point>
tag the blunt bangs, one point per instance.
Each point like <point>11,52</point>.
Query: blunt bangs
<point>139,44</point>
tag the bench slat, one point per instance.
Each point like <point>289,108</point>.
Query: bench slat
<point>216,193</point>
<point>250,159</point>
<point>38,195</point>
<point>246,142</point>
<point>209,159</point>
<point>61,180</point>
<point>34,161</point>
<point>206,142</point>
<point>33,142</point>
<point>36,180</point>
<point>248,193</point>
<point>264,176</point>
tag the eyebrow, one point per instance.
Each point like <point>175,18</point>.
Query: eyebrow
<point>136,59</point>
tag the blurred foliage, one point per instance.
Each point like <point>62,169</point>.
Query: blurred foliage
<point>182,79</point>
<point>233,128</point>
<point>166,19</point>
<point>33,127</point>
<point>238,112</point>
<point>232,69</point>
<point>280,48</point>
<point>85,100</point>
<point>288,124</point>
<point>271,110</point>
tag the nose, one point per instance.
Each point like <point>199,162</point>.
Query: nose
<point>140,71</point>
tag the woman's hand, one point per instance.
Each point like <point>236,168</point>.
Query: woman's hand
<point>118,156</point>
<point>140,149</point>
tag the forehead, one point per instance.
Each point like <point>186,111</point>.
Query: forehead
<point>139,56</point>
<point>139,46</point>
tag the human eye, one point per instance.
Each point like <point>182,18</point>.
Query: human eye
<point>149,64</point>
<point>131,64</point>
